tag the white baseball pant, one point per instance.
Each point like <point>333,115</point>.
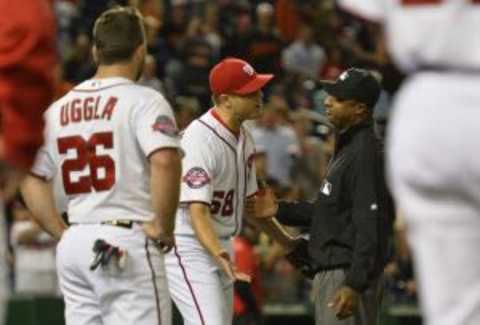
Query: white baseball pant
<point>434,168</point>
<point>135,295</point>
<point>201,291</point>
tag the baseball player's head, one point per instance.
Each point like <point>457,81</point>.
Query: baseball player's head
<point>237,88</point>
<point>119,38</point>
<point>351,98</point>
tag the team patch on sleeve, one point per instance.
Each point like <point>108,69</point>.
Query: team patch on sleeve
<point>196,177</point>
<point>164,124</point>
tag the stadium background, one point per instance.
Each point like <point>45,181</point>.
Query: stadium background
<point>300,42</point>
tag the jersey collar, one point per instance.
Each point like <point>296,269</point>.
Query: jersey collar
<point>98,84</point>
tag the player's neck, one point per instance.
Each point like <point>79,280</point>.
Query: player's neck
<point>228,119</point>
<point>115,71</point>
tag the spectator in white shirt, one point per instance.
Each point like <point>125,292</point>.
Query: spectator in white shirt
<point>304,56</point>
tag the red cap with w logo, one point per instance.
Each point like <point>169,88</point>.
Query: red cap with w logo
<point>235,76</point>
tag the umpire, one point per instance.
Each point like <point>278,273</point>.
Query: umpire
<point>350,220</point>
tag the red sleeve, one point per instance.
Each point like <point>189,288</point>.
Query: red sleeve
<point>27,63</point>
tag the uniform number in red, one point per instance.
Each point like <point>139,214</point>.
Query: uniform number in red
<point>222,202</point>
<point>87,157</point>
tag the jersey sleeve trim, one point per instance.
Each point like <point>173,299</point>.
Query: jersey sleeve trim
<point>253,194</point>
<point>194,201</point>
<point>180,151</point>
<point>41,177</point>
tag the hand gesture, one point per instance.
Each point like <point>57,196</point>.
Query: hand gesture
<point>223,260</point>
<point>262,205</point>
<point>163,239</point>
<point>345,302</point>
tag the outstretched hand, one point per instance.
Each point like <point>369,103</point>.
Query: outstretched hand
<point>262,205</point>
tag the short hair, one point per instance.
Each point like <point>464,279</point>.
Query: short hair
<point>117,33</point>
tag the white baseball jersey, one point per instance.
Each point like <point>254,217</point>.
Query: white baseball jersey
<point>217,170</point>
<point>424,33</point>
<point>100,135</point>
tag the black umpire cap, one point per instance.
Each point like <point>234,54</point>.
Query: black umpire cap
<point>354,84</point>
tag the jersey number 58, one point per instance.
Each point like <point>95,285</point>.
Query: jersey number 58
<point>87,157</point>
<point>222,202</point>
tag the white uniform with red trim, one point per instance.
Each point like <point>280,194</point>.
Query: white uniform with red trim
<point>433,160</point>
<point>100,136</point>
<point>217,170</point>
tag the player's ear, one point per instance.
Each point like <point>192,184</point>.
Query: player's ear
<point>362,110</point>
<point>141,51</point>
<point>95,54</point>
<point>223,100</point>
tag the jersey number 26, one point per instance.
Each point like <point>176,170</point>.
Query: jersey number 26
<point>87,157</point>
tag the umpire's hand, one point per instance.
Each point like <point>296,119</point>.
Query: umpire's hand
<point>163,239</point>
<point>262,205</point>
<point>345,302</point>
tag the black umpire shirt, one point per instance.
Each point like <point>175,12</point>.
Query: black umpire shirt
<point>351,218</point>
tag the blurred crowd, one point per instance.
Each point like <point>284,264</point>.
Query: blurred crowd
<point>301,42</point>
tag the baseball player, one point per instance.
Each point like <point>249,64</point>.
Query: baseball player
<point>26,89</point>
<point>218,175</point>
<point>437,42</point>
<point>117,147</point>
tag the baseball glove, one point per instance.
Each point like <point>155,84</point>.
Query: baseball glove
<point>300,258</point>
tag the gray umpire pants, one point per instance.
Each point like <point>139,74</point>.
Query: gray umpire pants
<point>326,283</point>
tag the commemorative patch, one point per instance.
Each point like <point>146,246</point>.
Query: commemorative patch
<point>164,124</point>
<point>196,177</point>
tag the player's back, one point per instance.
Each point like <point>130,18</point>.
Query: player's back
<point>427,34</point>
<point>100,135</point>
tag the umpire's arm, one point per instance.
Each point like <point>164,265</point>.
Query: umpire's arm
<point>365,186</point>
<point>295,214</point>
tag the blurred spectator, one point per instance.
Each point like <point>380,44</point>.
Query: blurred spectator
<point>279,143</point>
<point>400,281</point>
<point>66,11</point>
<point>89,10</point>
<point>236,39</point>
<point>152,8</point>
<point>186,110</point>
<point>211,29</point>
<point>304,56</point>
<point>264,45</point>
<point>61,85</point>
<point>334,65</point>
<point>309,168</point>
<point>176,24</point>
<point>189,77</point>
<point>247,296</point>
<point>79,63</point>
<point>156,44</point>
<point>149,77</point>
<point>34,253</point>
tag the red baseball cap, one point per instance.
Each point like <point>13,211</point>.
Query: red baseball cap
<point>235,76</point>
